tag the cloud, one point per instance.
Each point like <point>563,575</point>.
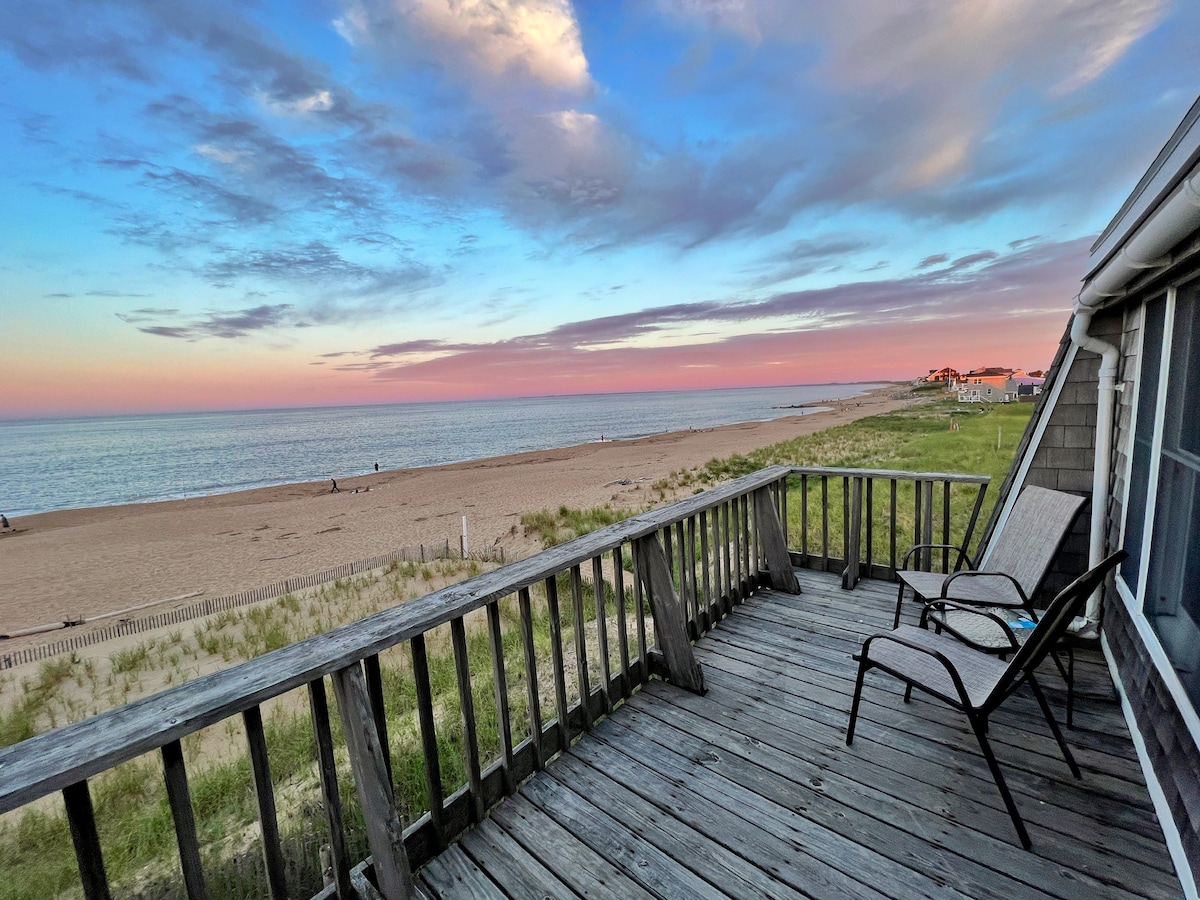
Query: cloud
<point>497,48</point>
<point>1038,280</point>
<point>929,82</point>
<point>234,324</point>
<point>314,262</point>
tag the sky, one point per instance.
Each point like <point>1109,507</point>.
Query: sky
<point>210,205</point>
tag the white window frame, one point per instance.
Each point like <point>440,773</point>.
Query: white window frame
<point>1134,600</point>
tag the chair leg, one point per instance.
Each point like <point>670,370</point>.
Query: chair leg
<point>1068,675</point>
<point>863,665</point>
<point>899,604</point>
<point>979,725</point>
<point>1058,735</point>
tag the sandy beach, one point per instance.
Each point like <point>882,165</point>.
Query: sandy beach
<point>82,563</point>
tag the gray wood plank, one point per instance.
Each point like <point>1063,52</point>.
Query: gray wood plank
<point>684,841</point>
<point>497,853</point>
<point>637,860</point>
<point>453,874</point>
<point>588,873</point>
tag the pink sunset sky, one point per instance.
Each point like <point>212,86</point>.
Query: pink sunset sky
<point>365,201</point>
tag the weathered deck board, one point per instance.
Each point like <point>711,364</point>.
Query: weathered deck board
<point>750,791</point>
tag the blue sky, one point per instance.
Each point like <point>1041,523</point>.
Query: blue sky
<point>211,205</point>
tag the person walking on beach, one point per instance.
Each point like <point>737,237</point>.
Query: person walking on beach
<point>335,490</point>
<point>376,467</point>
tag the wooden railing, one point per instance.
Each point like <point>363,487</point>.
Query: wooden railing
<point>689,563</point>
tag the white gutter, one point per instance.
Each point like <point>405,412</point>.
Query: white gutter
<point>1106,399</point>
<point>1149,247</point>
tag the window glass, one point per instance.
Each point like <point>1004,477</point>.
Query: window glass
<point>1143,438</point>
<point>1172,602</point>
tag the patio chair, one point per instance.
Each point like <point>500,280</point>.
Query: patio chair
<point>973,681</point>
<point>1021,553</point>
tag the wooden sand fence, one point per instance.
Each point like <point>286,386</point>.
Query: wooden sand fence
<point>202,608</point>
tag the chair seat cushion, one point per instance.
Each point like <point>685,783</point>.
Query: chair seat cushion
<point>965,589</point>
<point>983,632</point>
<point>980,672</point>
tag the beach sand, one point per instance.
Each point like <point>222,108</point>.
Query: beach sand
<point>78,564</point>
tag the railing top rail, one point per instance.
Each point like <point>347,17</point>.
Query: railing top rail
<point>57,759</point>
<point>952,477</point>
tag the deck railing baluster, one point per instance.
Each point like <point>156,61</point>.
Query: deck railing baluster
<point>892,527</point>
<point>429,741</point>
<point>466,699</point>
<point>180,800</point>
<point>500,685</point>
<point>804,519</point>
<point>927,524</point>
<point>946,525</point>
<point>581,650</point>
<point>710,613</point>
<point>598,589</point>
<point>618,559</point>
<point>870,537</point>
<point>374,676</point>
<point>525,607</point>
<point>318,704</point>
<point>824,523</point>
<point>639,604</point>
<point>845,521</point>
<point>264,791</point>
<point>726,559</point>
<point>747,537</point>
<point>683,585</point>
<point>81,818</point>
<point>556,660</point>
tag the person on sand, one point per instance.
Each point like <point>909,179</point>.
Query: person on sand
<point>376,467</point>
<point>3,521</point>
<point>336,489</point>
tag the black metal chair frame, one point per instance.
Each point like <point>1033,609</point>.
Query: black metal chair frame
<point>947,586</point>
<point>1019,671</point>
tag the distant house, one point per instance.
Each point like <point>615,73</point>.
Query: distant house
<point>1028,388</point>
<point>1117,421</point>
<point>992,375</point>
<point>943,375</point>
<point>986,392</point>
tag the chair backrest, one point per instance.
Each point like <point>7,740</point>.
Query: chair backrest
<point>1037,526</point>
<point>1052,626</point>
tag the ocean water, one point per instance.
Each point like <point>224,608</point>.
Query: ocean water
<point>51,464</point>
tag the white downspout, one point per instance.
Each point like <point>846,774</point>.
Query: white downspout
<point>1105,405</point>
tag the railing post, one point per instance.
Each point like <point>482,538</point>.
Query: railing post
<point>670,629</point>
<point>774,544</point>
<point>385,835</point>
<point>850,575</point>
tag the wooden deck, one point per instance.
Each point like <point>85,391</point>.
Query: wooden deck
<point>750,790</point>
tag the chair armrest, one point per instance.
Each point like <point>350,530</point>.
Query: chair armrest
<point>962,554</point>
<point>964,697</point>
<point>1025,603</point>
<point>944,605</point>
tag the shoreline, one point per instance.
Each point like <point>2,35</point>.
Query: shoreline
<point>80,563</point>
